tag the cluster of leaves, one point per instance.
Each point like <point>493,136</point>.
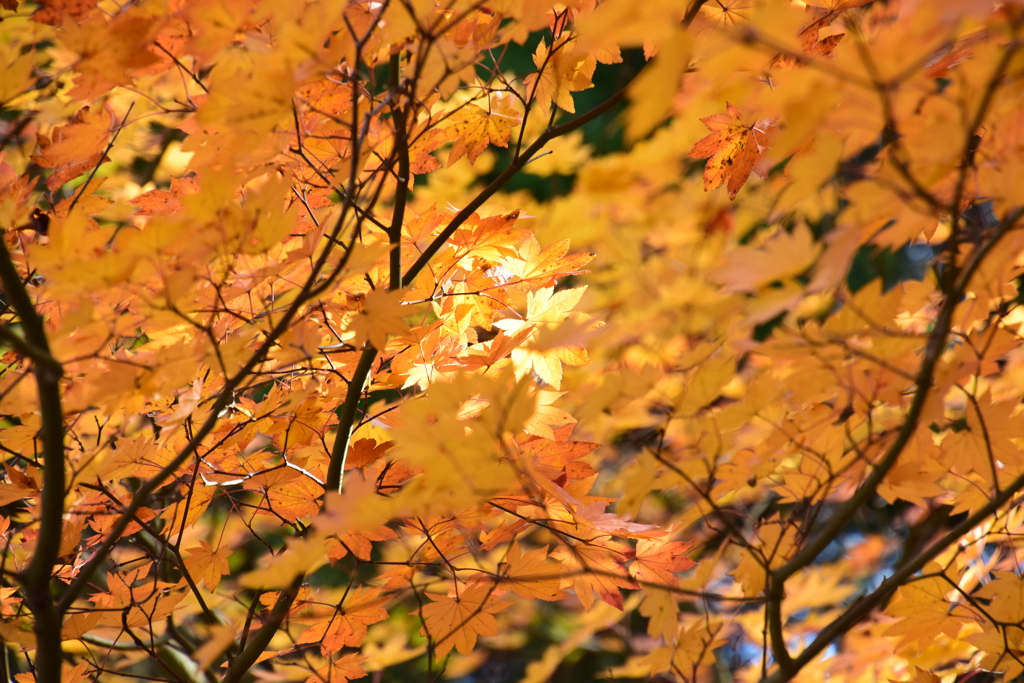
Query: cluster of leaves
<point>294,387</point>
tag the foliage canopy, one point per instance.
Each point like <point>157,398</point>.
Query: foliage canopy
<point>509,340</point>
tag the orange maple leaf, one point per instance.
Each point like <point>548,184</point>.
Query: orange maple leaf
<point>53,11</point>
<point>341,670</point>
<point>658,560</point>
<point>206,564</point>
<point>364,451</point>
<point>381,315</point>
<point>346,627</point>
<point>358,542</point>
<point>734,147</point>
<point>75,148</point>
<point>163,202</point>
<point>529,576</point>
<point>593,569</point>
<point>458,621</point>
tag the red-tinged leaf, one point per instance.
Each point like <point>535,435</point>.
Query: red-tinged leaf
<point>53,12</point>
<point>658,561</point>
<point>557,454</point>
<point>734,147</point>
<point>457,621</point>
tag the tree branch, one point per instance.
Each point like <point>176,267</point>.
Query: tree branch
<point>255,647</point>
<point>36,576</point>
<point>517,164</point>
<point>842,516</point>
<point>398,114</point>
<point>347,418</point>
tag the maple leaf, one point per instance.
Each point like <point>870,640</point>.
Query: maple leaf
<point>346,627</point>
<point>785,254</point>
<point>422,143</point>
<point>111,49</point>
<point>545,307</point>
<point>341,670</point>
<point>594,569</point>
<point>75,148</point>
<point>359,542</point>
<point>661,608</point>
<point>164,202</point>
<point>206,564</point>
<point>457,621</point>
<point>529,576</point>
<point>734,147</point>
<point>53,12</point>
<point>546,417</point>
<point>562,458</point>
<point>474,127</point>
<point>548,306</point>
<point>561,70</point>
<point>18,487</point>
<point>657,561</point>
<point>923,612</point>
<point>381,315</point>
<point>364,452</point>
<point>541,267</point>
<point>293,495</point>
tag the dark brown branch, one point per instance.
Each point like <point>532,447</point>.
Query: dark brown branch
<point>399,116</point>
<point>48,373</point>
<point>843,515</point>
<point>255,647</point>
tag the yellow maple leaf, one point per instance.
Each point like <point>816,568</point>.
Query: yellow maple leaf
<point>561,70</point>
<point>475,127</point>
<point>785,254</point>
